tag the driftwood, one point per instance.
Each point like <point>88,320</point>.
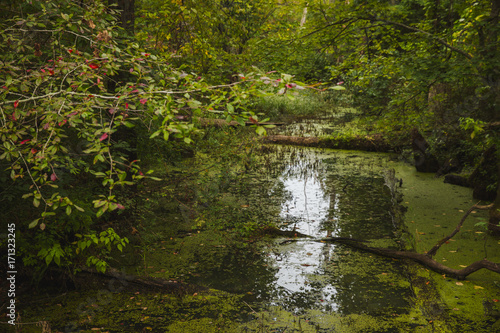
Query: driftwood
<point>425,258</point>
<point>375,142</point>
<point>292,140</point>
<point>215,122</point>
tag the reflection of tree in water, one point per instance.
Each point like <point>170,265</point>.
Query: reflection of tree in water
<point>358,206</point>
<point>340,196</point>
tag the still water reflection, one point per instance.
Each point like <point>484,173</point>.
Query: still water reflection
<point>337,194</point>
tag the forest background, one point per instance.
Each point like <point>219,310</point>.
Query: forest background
<point>95,93</point>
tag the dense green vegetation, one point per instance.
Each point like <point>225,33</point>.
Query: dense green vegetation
<point>97,95</point>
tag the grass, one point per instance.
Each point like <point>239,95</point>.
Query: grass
<point>280,107</point>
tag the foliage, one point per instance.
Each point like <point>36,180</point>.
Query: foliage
<point>74,96</point>
<point>209,37</point>
<point>397,55</point>
<point>82,103</point>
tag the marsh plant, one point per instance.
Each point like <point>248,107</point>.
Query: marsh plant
<point>278,107</point>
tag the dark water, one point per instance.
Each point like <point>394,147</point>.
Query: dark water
<point>281,284</point>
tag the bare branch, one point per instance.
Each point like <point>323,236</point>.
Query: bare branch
<point>436,247</point>
<point>423,259</point>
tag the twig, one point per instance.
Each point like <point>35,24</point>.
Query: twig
<point>249,307</point>
<point>457,229</point>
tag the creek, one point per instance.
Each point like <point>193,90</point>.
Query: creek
<point>301,284</point>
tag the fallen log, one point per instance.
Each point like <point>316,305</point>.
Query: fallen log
<point>292,140</point>
<point>424,259</point>
<point>374,142</point>
<point>216,122</point>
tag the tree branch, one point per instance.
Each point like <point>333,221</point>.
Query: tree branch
<point>457,229</point>
<point>439,40</point>
<point>423,259</point>
<point>112,97</point>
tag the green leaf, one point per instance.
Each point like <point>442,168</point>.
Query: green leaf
<point>33,224</point>
<point>48,258</point>
<point>260,130</point>
<point>240,121</point>
<point>230,108</point>
<point>155,134</point>
<point>68,210</point>
<point>99,203</point>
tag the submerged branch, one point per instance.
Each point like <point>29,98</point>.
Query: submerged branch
<point>423,259</point>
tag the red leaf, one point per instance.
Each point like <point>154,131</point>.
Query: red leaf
<point>253,120</point>
<point>120,206</point>
<point>16,103</point>
<point>94,66</point>
<point>143,101</point>
<point>103,137</point>
<point>53,177</point>
<point>24,141</point>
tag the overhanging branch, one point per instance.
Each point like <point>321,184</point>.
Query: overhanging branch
<point>437,39</point>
